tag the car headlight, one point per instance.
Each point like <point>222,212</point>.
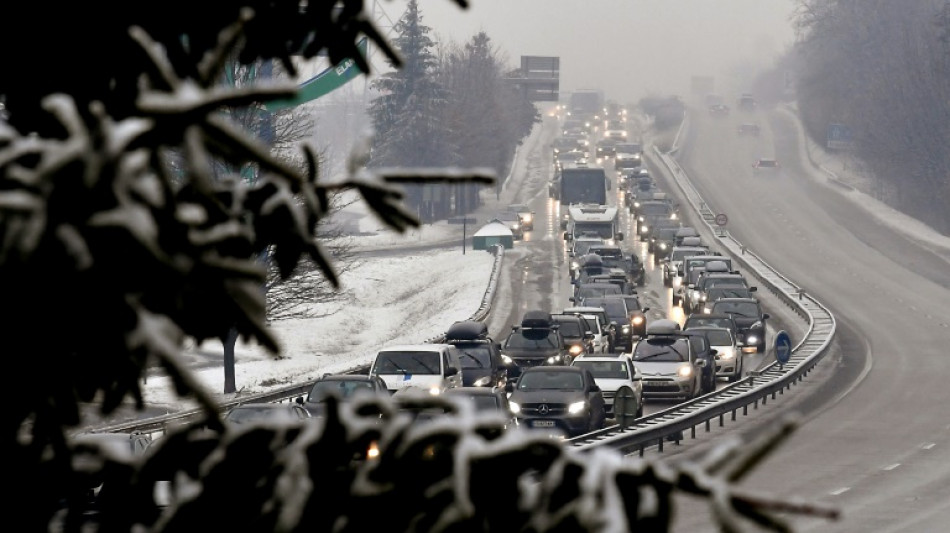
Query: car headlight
<point>625,329</point>
<point>637,204</point>
<point>507,360</point>
<point>554,360</point>
<point>673,216</point>
<point>662,246</point>
<point>372,451</point>
<point>515,226</point>
<point>707,310</point>
<point>726,354</point>
<point>528,218</point>
<point>702,297</point>
<point>685,371</point>
<point>515,407</point>
<point>576,408</point>
<point>576,349</point>
<point>751,339</point>
<point>482,381</point>
<point>641,219</point>
<point>435,390</point>
<point>644,229</point>
<point>575,265</point>
<point>637,320</point>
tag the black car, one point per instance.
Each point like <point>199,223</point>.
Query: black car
<point>577,334</point>
<point>483,365</point>
<point>343,387</point>
<point>702,350</point>
<point>536,341</point>
<point>637,314</point>
<point>487,400</point>
<point>719,320</point>
<point>662,239</point>
<point>750,319</point>
<point>612,256</point>
<point>564,398</point>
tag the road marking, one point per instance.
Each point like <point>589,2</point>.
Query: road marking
<point>891,467</point>
<point>929,446</point>
<point>840,491</point>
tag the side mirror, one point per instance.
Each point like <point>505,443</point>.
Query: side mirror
<point>588,335</point>
<point>713,351</point>
<point>765,316</point>
<point>620,236</point>
<point>753,289</point>
<point>451,371</point>
<point>509,386</point>
<point>594,388</point>
<point>701,363</point>
<point>572,299</point>
<point>565,236</point>
<point>299,400</point>
<point>645,309</point>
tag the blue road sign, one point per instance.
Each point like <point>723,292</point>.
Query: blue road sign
<point>783,347</point>
<point>839,137</point>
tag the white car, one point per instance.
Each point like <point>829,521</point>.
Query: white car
<point>617,377</point>
<point>729,360</point>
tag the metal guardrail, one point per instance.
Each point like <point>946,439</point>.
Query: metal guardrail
<point>670,424</point>
<point>157,425</point>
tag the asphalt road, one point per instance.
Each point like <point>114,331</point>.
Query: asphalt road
<point>875,442</point>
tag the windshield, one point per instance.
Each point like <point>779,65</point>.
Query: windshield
<point>583,186</point>
<point>615,308</point>
<point>248,413</point>
<point>581,247</point>
<point>727,292</point>
<point>475,356</point>
<point>662,351</point>
<point>655,209</point>
<point>665,234</point>
<point>342,388</point>
<point>744,309</point>
<point>604,369</point>
<point>719,337</point>
<point>720,281</point>
<point>533,340</point>
<point>407,363</point>
<point>628,148</point>
<point>701,320</point>
<point>570,329</point>
<point>552,380</point>
<point>588,293</point>
<point>604,230</point>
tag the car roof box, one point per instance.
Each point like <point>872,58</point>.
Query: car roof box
<point>467,330</point>
<point>692,241</point>
<point>717,266</point>
<point>663,326</point>
<point>536,319</point>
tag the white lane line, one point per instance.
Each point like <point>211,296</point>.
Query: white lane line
<point>840,491</point>
<point>891,467</point>
<point>929,445</point>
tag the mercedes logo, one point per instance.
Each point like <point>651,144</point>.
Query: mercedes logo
<point>543,409</point>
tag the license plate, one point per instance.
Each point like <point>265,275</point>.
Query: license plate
<point>543,423</point>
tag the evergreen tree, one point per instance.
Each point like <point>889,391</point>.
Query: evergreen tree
<point>411,104</point>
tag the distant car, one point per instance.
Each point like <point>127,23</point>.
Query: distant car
<point>253,413</point>
<point>483,364</point>
<point>432,367</point>
<point>725,291</point>
<point>581,244</point>
<point>669,367</point>
<point>526,214</point>
<point>747,102</point>
<point>597,324</point>
<point>617,377</point>
<point>719,110</point>
<point>514,223</point>
<point>673,264</point>
<point>535,342</point>
<point>764,165</point>
<point>606,148</point>
<point>344,387</point>
<point>564,398</point>
<point>728,353</point>
<point>487,400</point>
<point>748,129</point>
<point>718,320</point>
<point>576,332</point>
<point>637,314</point>
<point>750,318</point>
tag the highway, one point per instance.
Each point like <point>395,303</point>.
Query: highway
<point>876,437</point>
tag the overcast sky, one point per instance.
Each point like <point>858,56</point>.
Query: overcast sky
<point>627,48</point>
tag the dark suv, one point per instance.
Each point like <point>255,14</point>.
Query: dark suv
<point>577,334</point>
<point>559,398</point>
<point>749,317</point>
<point>619,316</point>
<point>483,365</point>
<point>536,341</point>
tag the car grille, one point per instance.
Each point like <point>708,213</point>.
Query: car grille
<point>609,396</point>
<point>544,409</point>
<point>530,361</point>
<point>660,385</point>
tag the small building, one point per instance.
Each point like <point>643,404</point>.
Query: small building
<point>492,233</point>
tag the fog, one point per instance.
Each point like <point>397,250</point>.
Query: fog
<point>627,48</point>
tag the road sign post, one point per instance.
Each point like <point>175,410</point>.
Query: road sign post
<point>783,347</point>
<point>464,221</point>
<point>721,221</point>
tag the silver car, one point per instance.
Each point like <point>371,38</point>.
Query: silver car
<point>664,359</point>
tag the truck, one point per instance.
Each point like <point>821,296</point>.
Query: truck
<point>581,185</point>
<point>600,220</point>
<point>586,102</point>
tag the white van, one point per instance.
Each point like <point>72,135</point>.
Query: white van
<point>432,367</point>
